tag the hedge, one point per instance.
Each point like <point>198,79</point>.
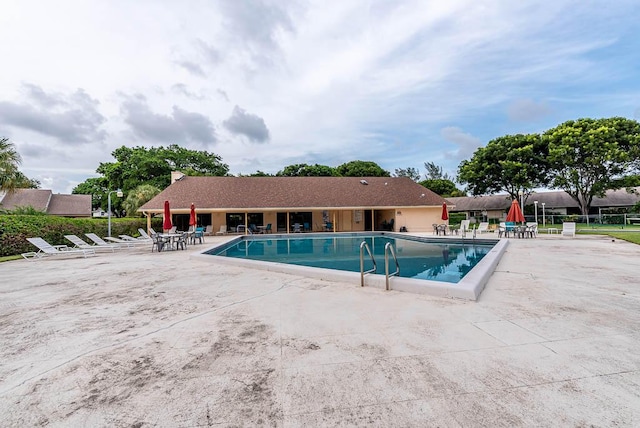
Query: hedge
<point>15,229</point>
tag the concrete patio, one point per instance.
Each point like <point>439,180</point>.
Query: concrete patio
<point>139,339</point>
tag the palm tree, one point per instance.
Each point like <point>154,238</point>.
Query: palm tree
<point>9,161</point>
<point>138,197</point>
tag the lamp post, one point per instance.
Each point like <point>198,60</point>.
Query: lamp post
<point>521,194</point>
<point>543,219</point>
<point>118,194</point>
<point>535,203</point>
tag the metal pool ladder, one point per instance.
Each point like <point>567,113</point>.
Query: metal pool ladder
<point>388,249</point>
<point>365,246</point>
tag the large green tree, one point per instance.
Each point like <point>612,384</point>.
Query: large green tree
<point>589,156</point>
<point>135,166</point>
<point>140,165</point>
<point>439,182</point>
<point>511,164</point>
<point>360,168</point>
<point>304,170</point>
<point>97,187</point>
<point>444,188</point>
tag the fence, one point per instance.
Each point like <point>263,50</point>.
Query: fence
<point>612,219</point>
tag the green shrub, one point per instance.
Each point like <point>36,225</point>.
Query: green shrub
<point>15,229</point>
<point>456,218</point>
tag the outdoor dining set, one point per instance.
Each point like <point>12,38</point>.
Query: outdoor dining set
<point>529,230</point>
<point>176,240</point>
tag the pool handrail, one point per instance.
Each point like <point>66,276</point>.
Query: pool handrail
<point>388,249</point>
<point>364,246</point>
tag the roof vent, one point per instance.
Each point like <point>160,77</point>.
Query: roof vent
<point>363,182</point>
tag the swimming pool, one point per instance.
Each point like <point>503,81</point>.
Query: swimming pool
<point>451,267</point>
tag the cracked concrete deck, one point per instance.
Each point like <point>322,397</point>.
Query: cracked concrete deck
<point>137,339</point>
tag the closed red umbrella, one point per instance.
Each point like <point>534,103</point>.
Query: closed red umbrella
<point>515,213</point>
<point>445,214</point>
<point>192,217</point>
<point>166,225</point>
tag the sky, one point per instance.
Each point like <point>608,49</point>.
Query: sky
<point>270,83</point>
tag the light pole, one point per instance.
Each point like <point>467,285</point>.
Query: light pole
<point>118,194</point>
<point>535,203</point>
<point>521,194</point>
<point>543,219</point>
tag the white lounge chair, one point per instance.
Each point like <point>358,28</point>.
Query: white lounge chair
<point>208,231</point>
<point>223,230</point>
<point>79,243</point>
<point>533,227</point>
<point>132,239</point>
<point>99,241</point>
<point>46,250</point>
<point>131,242</point>
<point>483,227</point>
<point>569,229</point>
<point>143,233</point>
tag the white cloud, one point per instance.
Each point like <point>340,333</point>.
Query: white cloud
<point>465,142</point>
<point>398,83</point>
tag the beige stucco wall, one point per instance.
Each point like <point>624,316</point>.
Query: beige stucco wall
<point>418,219</point>
<point>217,220</point>
<point>414,219</point>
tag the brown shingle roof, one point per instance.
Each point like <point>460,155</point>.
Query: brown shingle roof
<point>219,193</point>
<point>554,199</point>
<point>70,205</point>
<point>36,198</point>
<point>46,201</point>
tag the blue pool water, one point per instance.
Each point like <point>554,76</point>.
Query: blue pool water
<point>419,258</point>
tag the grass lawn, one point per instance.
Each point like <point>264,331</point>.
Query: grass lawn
<point>7,258</point>
<point>627,236</point>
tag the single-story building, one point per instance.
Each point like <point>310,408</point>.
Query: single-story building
<point>341,204</point>
<point>48,202</point>
<point>495,207</point>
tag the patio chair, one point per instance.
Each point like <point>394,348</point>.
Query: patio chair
<point>268,228</point>
<point>532,226</point>
<point>297,228</point>
<point>223,230</point>
<point>569,229</point>
<point>158,242</point>
<point>197,234</point>
<point>181,242</point>
<point>208,231</point>
<point>47,250</point>
<point>464,226</point>
<point>79,243</point>
<point>501,229</point>
<point>306,227</point>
